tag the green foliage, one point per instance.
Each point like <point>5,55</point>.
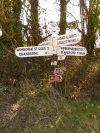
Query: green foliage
<point>45,111</point>
<point>92,19</point>
<point>96,14</point>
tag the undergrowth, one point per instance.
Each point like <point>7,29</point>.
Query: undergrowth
<point>39,108</point>
<point>44,110</point>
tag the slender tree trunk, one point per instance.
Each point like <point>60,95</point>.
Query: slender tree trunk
<point>91,32</point>
<point>62,24</point>
<point>17,27</point>
<point>82,14</point>
<point>35,29</point>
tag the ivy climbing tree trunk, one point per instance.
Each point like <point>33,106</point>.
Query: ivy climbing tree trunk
<point>92,27</point>
<point>17,27</point>
<point>89,17</point>
<point>35,29</point>
<point>62,24</point>
<point>6,23</point>
<point>11,24</point>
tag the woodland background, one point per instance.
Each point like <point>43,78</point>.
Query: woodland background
<point>28,103</point>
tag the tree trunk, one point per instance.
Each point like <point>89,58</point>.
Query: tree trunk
<point>88,39</point>
<point>62,24</point>
<point>35,29</point>
<point>11,24</point>
<point>17,27</point>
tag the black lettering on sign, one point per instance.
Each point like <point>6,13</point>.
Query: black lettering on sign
<point>25,49</point>
<point>35,48</point>
<point>72,40</point>
<point>20,54</point>
<point>67,48</point>
<point>41,48</point>
<point>20,49</point>
<point>68,41</point>
<point>62,52</point>
<point>81,53</point>
<point>31,53</point>
<point>69,52</point>
<point>47,48</point>
<point>28,53</point>
<point>67,37</point>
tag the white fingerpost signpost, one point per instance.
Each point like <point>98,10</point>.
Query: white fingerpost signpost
<point>34,51</point>
<point>61,46</point>
<point>73,51</point>
<point>70,39</point>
